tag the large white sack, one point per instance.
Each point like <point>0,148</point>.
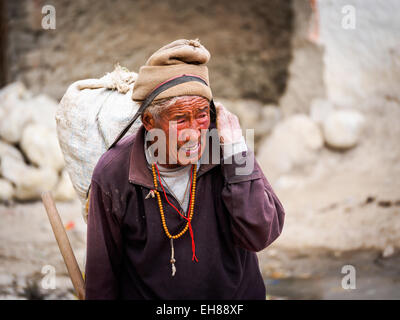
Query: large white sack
<point>89,117</point>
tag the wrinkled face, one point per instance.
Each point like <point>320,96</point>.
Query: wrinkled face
<point>185,125</point>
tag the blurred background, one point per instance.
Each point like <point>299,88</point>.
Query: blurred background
<point>317,80</point>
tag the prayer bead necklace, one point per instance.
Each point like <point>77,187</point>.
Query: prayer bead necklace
<point>188,225</point>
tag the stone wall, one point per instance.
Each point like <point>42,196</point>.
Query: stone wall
<point>306,69</point>
<point>249,41</point>
<point>3,41</point>
<point>362,50</point>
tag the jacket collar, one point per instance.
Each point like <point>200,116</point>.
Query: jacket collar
<point>139,173</point>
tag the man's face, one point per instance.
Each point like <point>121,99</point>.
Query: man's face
<point>184,124</point>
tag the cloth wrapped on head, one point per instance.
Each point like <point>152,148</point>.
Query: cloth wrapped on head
<point>180,57</point>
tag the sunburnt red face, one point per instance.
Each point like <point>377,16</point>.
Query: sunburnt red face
<point>188,119</point>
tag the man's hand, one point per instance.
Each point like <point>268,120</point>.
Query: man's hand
<point>228,126</point>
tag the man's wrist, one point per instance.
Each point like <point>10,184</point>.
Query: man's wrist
<point>230,149</point>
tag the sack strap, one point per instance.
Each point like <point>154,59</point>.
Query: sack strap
<point>149,99</point>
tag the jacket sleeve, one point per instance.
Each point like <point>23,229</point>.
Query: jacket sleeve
<point>104,245</point>
<point>257,215</point>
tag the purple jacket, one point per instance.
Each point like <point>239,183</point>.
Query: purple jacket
<point>128,253</point>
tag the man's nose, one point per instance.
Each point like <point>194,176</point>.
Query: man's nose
<point>192,134</point>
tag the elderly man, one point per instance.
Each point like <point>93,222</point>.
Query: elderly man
<point>165,221</point>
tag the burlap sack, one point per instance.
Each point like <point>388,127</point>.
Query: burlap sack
<point>89,117</point>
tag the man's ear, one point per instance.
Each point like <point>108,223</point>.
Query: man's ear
<point>148,121</point>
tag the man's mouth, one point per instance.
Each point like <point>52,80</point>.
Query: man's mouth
<point>191,149</point>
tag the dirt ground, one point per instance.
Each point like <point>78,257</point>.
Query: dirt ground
<point>27,244</point>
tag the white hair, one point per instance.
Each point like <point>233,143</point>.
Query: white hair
<point>156,107</point>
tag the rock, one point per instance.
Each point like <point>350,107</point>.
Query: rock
<point>14,121</point>
<point>29,181</point>
<point>320,109</point>
<point>6,280</point>
<point>12,117</point>
<point>43,110</point>
<point>9,150</point>
<point>254,116</point>
<point>11,93</point>
<point>6,190</point>
<point>388,251</point>
<point>269,117</point>
<point>18,108</point>
<point>342,129</point>
<point>292,143</point>
<point>248,111</point>
<point>65,190</point>
<point>40,144</point>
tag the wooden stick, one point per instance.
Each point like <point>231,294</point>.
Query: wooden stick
<point>64,245</point>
